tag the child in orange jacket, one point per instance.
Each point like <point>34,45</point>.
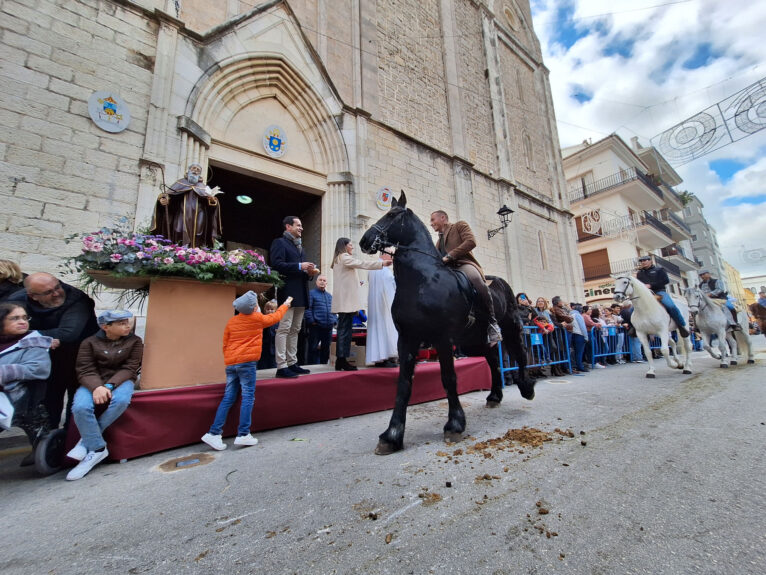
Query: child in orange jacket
<point>242,341</point>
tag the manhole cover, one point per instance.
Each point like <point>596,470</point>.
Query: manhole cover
<point>187,461</point>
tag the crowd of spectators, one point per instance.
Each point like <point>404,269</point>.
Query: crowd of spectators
<point>581,324</point>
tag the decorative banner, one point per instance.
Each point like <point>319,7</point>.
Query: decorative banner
<point>729,120</point>
<point>275,141</point>
<point>591,222</point>
<point>108,111</point>
<point>383,199</point>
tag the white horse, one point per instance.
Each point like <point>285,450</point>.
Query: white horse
<point>650,318</point>
<point>711,319</point>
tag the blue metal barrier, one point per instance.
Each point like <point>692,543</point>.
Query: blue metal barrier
<point>609,341</point>
<point>542,349</point>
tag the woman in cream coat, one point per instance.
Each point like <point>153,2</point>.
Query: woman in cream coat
<point>347,295</point>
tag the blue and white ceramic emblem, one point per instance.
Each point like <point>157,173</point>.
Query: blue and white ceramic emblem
<point>108,111</point>
<point>275,141</point>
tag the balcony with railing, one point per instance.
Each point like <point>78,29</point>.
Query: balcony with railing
<point>669,266</point>
<point>652,233</point>
<point>604,270</point>
<point>677,255</point>
<point>680,230</point>
<point>631,180</point>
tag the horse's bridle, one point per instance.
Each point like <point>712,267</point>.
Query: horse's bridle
<point>702,303</point>
<point>624,293</point>
<point>381,239</point>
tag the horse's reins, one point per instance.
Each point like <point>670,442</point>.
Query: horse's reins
<point>381,242</point>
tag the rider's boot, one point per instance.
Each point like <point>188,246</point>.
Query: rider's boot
<point>682,331</point>
<point>733,323</point>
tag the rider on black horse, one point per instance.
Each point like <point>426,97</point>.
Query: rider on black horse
<point>711,287</point>
<point>656,278</point>
<point>455,244</point>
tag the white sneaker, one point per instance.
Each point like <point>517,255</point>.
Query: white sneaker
<point>246,440</point>
<point>78,452</point>
<point>91,459</point>
<point>214,441</point>
<point>599,366</point>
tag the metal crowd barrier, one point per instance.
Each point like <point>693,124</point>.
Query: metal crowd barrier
<point>609,341</point>
<point>542,350</point>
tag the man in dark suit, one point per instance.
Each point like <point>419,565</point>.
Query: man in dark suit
<point>286,257</point>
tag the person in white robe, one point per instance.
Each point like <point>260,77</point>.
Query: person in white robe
<point>382,336</point>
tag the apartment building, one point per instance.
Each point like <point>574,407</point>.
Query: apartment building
<point>625,206</point>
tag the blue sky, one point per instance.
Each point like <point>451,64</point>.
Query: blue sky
<point>639,67</point>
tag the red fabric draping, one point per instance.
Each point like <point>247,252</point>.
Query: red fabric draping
<point>167,418</point>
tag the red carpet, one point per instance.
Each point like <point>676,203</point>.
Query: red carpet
<point>164,419</point>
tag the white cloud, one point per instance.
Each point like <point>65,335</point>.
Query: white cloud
<point>631,97</point>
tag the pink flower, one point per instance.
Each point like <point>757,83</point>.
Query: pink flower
<point>115,257</point>
<point>96,247</point>
<point>233,258</point>
<point>168,260</point>
<point>141,255</point>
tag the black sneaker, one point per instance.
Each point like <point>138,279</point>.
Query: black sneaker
<point>286,373</point>
<point>295,368</point>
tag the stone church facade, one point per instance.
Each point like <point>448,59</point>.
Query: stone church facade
<point>448,100</point>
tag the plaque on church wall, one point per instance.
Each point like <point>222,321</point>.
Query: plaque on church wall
<point>108,111</point>
<point>383,199</point>
<point>275,141</point>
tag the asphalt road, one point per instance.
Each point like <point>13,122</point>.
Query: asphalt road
<point>659,476</point>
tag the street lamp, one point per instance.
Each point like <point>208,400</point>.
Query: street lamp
<point>505,214</point>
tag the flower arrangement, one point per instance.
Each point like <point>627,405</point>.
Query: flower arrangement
<point>131,254</point>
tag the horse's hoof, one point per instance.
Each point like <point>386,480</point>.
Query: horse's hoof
<point>384,448</point>
<point>732,363</point>
<point>650,375</point>
<point>527,390</point>
<point>687,372</point>
<point>750,361</point>
<point>493,404</point>
<point>453,436</point>
<point>724,365</point>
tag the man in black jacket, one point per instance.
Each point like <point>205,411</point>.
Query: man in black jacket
<point>320,321</point>
<point>286,255</point>
<point>656,278</point>
<point>66,314</point>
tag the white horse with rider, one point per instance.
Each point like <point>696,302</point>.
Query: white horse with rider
<point>711,319</point>
<point>650,318</point>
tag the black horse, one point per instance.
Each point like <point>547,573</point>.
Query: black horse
<point>436,305</point>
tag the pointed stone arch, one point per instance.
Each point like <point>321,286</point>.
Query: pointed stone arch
<point>241,80</point>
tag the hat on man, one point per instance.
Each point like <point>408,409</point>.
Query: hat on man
<point>113,315</point>
<point>246,303</point>
<point>703,272</point>
<point>644,258</point>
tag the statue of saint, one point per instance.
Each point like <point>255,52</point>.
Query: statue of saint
<point>188,213</point>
